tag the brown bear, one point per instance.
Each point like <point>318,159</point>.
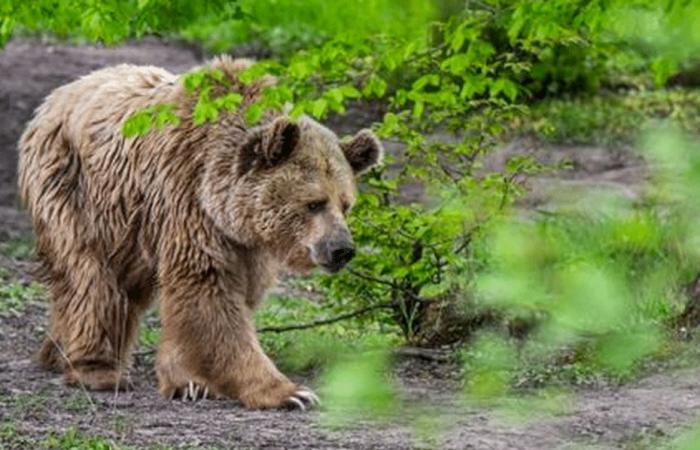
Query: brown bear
<point>203,217</point>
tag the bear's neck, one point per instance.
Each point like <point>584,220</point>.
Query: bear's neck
<point>219,183</point>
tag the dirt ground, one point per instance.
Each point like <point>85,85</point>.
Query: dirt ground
<point>632,416</point>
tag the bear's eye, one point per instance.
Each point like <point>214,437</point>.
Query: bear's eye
<point>345,207</point>
<point>317,206</point>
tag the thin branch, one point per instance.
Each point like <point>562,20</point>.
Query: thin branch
<point>367,277</point>
<point>304,326</point>
<point>321,322</point>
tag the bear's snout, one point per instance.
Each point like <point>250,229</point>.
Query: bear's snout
<point>335,252</point>
<point>340,253</point>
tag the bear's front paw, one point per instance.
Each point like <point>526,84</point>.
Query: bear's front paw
<point>282,395</point>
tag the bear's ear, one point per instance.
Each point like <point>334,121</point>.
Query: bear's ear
<point>363,151</point>
<point>278,141</point>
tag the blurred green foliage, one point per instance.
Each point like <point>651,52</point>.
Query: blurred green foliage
<point>690,440</point>
<point>359,384</point>
<point>611,118</point>
<point>283,26</point>
<point>108,21</point>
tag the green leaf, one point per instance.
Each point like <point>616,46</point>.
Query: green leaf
<point>138,124</point>
<point>426,80</point>
<point>193,81</point>
<point>166,117</point>
<point>205,110</point>
<point>7,24</point>
<point>300,69</point>
<point>473,86</point>
<point>319,108</point>
<point>663,67</point>
<point>297,111</point>
<point>458,37</point>
<point>457,64</point>
<point>350,91</point>
<point>375,87</point>
<point>505,87</point>
<point>229,102</point>
<point>418,108</point>
<point>254,113</point>
<point>434,290</point>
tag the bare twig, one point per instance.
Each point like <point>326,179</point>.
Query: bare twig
<point>367,277</point>
<point>321,322</point>
<point>304,326</point>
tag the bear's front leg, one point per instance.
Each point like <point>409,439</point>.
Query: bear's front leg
<point>209,346</point>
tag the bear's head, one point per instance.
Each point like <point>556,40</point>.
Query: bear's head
<point>292,188</point>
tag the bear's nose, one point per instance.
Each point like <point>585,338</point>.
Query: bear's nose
<point>341,254</point>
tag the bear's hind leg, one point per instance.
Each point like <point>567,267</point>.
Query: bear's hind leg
<point>96,324</point>
<point>51,355</point>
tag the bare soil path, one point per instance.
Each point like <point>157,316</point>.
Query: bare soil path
<point>632,416</point>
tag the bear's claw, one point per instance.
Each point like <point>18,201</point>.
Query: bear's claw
<point>302,399</point>
<point>191,392</point>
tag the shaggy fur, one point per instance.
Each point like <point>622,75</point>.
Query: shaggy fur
<point>203,216</point>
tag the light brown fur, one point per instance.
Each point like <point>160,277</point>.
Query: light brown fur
<point>205,217</point>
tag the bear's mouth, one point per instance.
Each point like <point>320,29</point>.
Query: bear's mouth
<point>332,268</point>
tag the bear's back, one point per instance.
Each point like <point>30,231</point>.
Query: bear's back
<point>74,159</point>
<point>77,167</point>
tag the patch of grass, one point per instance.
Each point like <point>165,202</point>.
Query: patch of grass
<point>14,295</point>
<point>12,439</point>
<point>77,403</point>
<point>646,440</point>
<point>182,447</point>
<point>612,118</point>
<point>72,439</point>
<point>30,403</point>
<point>122,425</point>
<point>20,248</point>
